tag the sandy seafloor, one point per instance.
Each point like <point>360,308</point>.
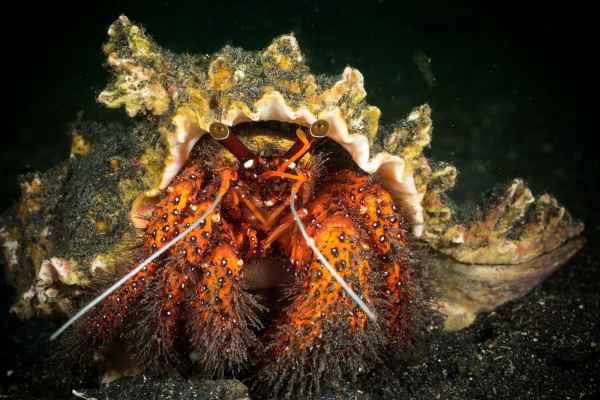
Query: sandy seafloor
<point>509,101</point>
<point>544,346</point>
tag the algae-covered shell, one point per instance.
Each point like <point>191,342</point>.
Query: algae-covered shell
<point>235,86</point>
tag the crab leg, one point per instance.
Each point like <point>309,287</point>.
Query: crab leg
<point>222,315</point>
<point>218,314</point>
<point>324,323</point>
<point>323,326</point>
<point>374,206</point>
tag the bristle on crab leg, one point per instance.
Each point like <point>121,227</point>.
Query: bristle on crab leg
<point>311,243</point>
<point>137,269</point>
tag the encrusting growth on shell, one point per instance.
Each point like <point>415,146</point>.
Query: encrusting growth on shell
<point>515,228</point>
<point>235,86</point>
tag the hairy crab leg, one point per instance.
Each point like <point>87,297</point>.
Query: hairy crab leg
<point>383,223</point>
<point>144,264</point>
<point>352,233</point>
<point>200,294</point>
<point>326,323</point>
<point>222,316</point>
<point>373,205</point>
<point>311,243</point>
<point>157,341</point>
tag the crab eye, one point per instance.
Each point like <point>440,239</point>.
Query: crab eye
<point>219,131</point>
<point>319,128</point>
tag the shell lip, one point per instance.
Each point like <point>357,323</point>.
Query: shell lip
<point>233,87</point>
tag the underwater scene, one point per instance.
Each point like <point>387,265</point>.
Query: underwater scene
<point>300,200</point>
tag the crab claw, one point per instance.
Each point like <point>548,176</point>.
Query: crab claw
<point>323,328</point>
<point>354,290</point>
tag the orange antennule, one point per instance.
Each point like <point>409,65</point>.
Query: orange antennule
<point>296,155</point>
<point>296,152</point>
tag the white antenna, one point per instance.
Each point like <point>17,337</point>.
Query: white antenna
<point>137,269</point>
<point>332,271</point>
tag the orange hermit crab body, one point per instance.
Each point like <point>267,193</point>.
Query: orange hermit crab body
<point>194,294</point>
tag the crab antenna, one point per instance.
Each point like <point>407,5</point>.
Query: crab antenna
<point>137,269</point>
<point>222,134</point>
<point>311,243</point>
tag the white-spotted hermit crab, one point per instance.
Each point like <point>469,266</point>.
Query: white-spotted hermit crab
<point>263,175</point>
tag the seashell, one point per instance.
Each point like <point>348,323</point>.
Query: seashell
<point>237,86</point>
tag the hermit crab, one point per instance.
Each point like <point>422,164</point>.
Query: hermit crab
<point>249,173</point>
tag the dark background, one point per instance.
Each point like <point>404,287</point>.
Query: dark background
<point>515,92</point>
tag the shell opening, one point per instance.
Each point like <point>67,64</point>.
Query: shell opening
<point>390,169</point>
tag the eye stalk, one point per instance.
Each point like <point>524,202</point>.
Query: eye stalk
<point>219,131</point>
<point>319,128</point>
<point>222,134</point>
